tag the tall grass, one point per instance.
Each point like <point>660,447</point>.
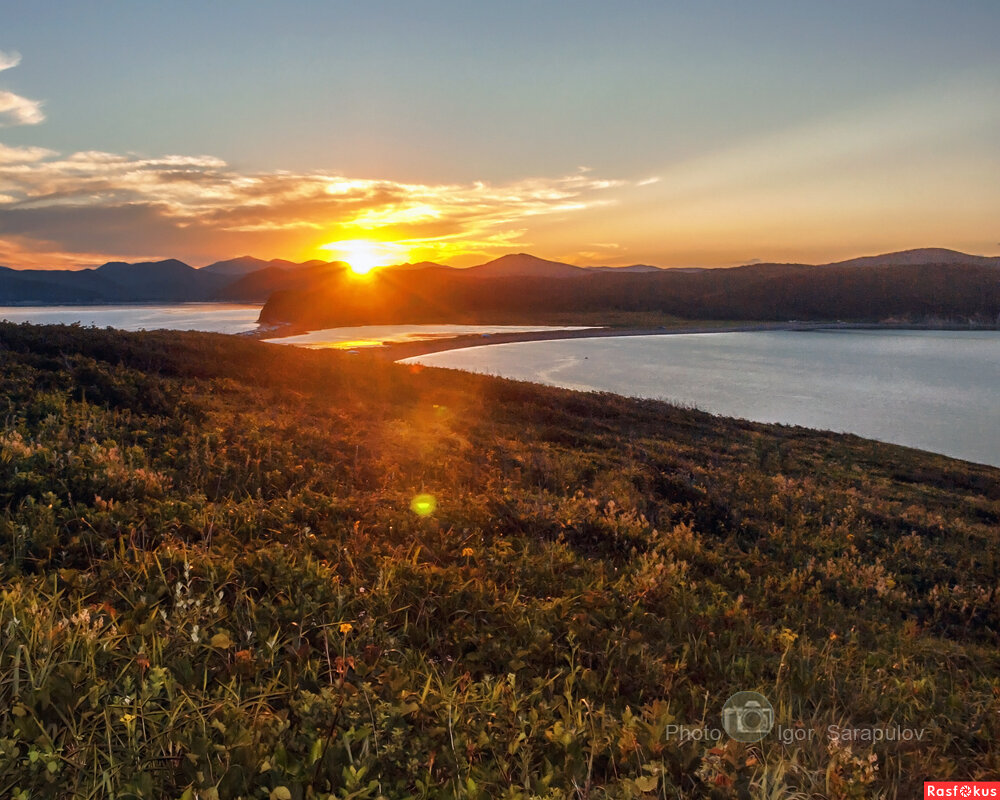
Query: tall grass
<point>214,586</point>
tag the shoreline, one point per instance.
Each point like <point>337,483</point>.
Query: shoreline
<point>398,351</point>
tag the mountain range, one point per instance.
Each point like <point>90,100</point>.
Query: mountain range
<point>249,279</point>
<point>914,286</point>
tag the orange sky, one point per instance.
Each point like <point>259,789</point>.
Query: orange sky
<point>651,133</point>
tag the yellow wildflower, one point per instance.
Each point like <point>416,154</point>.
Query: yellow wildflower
<point>787,637</point>
<point>346,628</point>
<point>468,552</point>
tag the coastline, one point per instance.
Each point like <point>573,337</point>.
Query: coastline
<point>398,351</point>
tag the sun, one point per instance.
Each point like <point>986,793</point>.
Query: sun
<point>361,255</point>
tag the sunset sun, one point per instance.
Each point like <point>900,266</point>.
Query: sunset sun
<point>362,255</point>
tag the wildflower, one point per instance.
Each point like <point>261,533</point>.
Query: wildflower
<point>833,636</point>
<point>468,552</point>
<point>128,719</point>
<point>787,637</point>
<point>346,628</point>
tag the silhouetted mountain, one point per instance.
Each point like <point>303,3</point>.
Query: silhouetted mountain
<point>258,286</point>
<point>32,286</point>
<point>927,255</point>
<point>169,280</point>
<point>114,282</point>
<point>418,265</point>
<point>523,264</point>
<point>917,292</point>
<point>243,265</point>
<point>246,265</point>
<point>632,268</point>
<point>914,283</point>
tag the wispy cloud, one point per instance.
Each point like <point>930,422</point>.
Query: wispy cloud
<point>8,60</point>
<point>14,109</point>
<point>17,110</point>
<point>199,206</point>
<point>22,155</point>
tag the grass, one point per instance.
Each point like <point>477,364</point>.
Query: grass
<point>214,585</point>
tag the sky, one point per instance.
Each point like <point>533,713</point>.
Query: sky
<point>675,133</point>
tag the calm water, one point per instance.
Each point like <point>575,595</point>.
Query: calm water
<point>935,390</point>
<point>376,335</point>
<point>214,317</point>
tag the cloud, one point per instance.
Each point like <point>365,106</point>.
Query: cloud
<point>14,109</point>
<point>17,110</point>
<point>8,60</point>
<point>22,155</point>
<point>201,207</point>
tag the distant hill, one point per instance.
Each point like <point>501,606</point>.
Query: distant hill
<point>245,279</point>
<point>927,255</point>
<point>914,283</point>
<point>115,282</point>
<point>632,268</point>
<point>246,265</point>
<point>418,265</point>
<point>913,291</point>
<point>243,265</point>
<point>258,286</point>
<point>524,265</point>
<point>160,280</point>
<point>26,286</point>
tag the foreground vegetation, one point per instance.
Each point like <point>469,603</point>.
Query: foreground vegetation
<point>216,583</point>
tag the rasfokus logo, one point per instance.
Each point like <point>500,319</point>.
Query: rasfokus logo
<point>962,789</point>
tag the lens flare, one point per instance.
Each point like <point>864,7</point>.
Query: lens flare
<point>423,505</point>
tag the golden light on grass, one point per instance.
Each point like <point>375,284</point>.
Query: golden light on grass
<point>363,255</point>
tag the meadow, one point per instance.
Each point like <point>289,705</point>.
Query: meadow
<point>232,569</point>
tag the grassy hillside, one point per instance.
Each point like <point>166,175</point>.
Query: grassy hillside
<point>215,584</point>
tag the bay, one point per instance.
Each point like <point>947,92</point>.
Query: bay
<point>933,390</point>
<point>212,317</point>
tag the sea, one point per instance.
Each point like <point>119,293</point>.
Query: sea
<point>933,390</point>
<point>212,317</point>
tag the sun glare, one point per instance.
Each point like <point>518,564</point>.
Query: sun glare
<point>362,255</point>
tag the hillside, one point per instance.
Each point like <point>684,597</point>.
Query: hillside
<point>523,265</point>
<point>237,570</point>
<point>260,284</point>
<point>871,293</point>
<point>927,255</point>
